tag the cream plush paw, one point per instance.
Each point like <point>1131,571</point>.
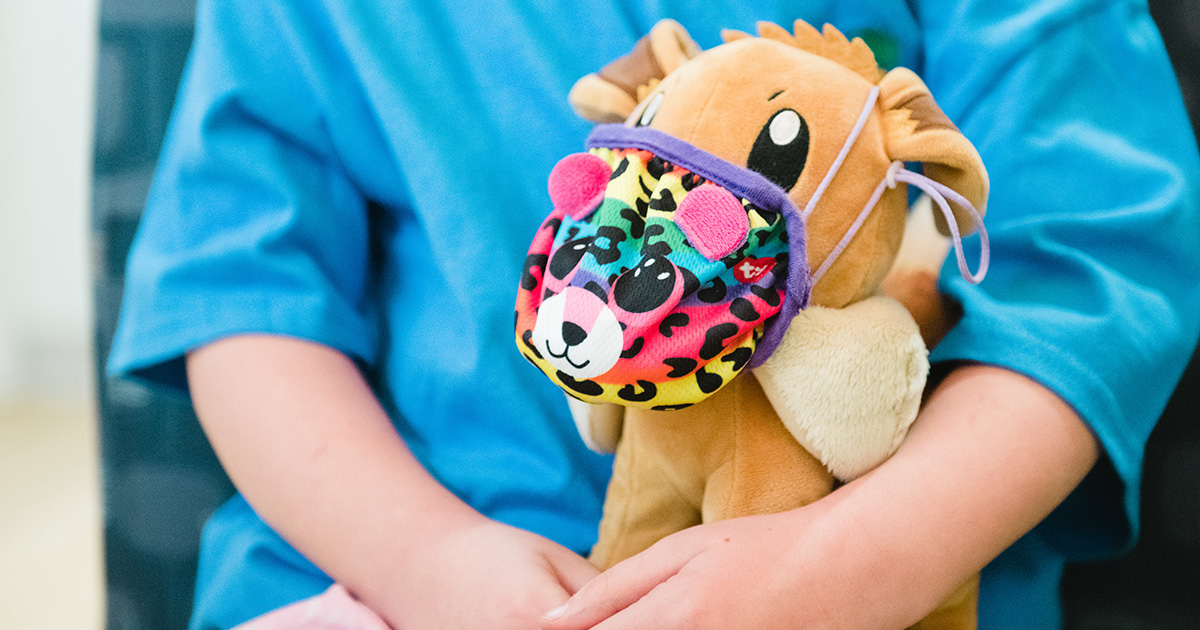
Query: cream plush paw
<point>599,424</point>
<point>847,382</point>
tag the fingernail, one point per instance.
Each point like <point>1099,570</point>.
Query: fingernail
<point>556,613</point>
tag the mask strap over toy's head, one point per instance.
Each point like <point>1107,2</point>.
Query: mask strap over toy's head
<point>937,191</point>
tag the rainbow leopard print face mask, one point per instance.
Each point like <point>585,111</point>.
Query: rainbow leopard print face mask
<point>661,274</point>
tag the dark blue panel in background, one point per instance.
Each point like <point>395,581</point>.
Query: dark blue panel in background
<point>161,480</point>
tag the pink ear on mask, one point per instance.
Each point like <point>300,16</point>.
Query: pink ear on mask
<point>713,220</point>
<point>577,184</point>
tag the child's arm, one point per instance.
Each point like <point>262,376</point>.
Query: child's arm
<point>305,441</point>
<point>991,455</point>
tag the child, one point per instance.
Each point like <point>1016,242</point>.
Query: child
<point>329,258</point>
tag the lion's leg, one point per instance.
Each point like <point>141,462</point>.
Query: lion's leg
<point>960,611</point>
<point>645,500</point>
<point>768,471</point>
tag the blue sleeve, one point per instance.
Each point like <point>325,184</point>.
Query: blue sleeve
<point>1093,218</point>
<point>253,223</point>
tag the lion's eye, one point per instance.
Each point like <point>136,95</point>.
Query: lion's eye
<point>651,109</point>
<point>784,127</point>
<point>781,149</point>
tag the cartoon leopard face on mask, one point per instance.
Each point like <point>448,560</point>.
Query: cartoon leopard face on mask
<point>660,271</point>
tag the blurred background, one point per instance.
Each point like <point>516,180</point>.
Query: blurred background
<point>86,88</point>
<point>50,532</point>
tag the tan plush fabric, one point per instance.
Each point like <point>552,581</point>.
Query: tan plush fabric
<point>675,469</point>
<point>610,95</point>
<point>959,611</point>
<point>848,382</point>
<point>913,278</point>
<point>918,131</point>
<point>599,425</point>
<point>600,101</point>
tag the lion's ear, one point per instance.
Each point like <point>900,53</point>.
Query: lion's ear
<point>612,94</point>
<point>916,130</point>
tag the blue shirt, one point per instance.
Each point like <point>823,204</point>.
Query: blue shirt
<point>369,175</point>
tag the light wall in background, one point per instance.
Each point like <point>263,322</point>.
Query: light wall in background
<point>47,70</point>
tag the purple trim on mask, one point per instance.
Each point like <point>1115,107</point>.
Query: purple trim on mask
<point>741,182</point>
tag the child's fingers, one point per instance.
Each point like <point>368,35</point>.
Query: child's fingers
<point>668,606</point>
<point>618,588</point>
<point>572,571</point>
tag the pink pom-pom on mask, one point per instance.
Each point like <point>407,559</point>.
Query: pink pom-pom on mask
<point>713,220</point>
<point>577,184</point>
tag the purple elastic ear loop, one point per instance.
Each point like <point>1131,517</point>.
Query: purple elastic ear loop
<point>937,192</point>
<point>841,156</point>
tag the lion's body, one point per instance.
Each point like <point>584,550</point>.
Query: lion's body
<point>676,469</point>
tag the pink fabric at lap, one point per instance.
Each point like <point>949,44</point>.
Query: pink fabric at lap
<point>335,609</point>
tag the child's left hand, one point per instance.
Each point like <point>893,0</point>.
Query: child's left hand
<point>991,454</point>
<point>774,571</point>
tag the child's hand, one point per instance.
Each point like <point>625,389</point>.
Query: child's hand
<point>756,572</point>
<point>304,439</point>
<point>485,577</point>
<point>991,454</point>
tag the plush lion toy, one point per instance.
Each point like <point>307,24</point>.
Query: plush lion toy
<point>743,212</point>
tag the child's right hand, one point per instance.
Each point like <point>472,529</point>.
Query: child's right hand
<point>484,576</point>
<point>304,439</point>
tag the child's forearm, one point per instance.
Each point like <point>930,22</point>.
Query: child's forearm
<point>303,438</point>
<point>990,456</point>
